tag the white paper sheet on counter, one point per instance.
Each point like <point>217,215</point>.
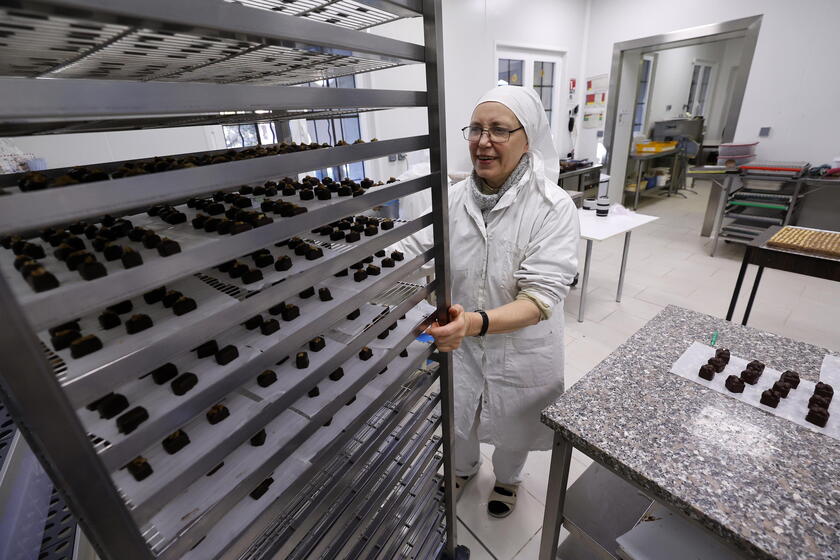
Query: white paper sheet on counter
<point>793,408</point>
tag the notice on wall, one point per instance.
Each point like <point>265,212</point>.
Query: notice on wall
<point>596,91</point>
<point>594,119</point>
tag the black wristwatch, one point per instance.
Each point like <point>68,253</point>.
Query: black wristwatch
<point>485,322</point>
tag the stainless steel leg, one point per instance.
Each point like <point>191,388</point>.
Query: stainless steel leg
<point>623,266</point>
<point>558,478</point>
<point>585,280</point>
<point>721,206</point>
<point>638,181</point>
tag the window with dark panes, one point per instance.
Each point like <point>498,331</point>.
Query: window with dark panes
<point>544,84</point>
<point>510,71</point>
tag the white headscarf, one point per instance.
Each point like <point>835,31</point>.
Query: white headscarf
<point>526,105</point>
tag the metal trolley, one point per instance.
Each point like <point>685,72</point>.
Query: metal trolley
<point>263,452</point>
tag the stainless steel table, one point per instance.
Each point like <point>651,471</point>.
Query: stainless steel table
<point>640,158</point>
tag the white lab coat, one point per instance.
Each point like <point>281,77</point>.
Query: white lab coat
<point>530,243</point>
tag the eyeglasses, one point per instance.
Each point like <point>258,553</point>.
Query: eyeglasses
<point>496,134</point>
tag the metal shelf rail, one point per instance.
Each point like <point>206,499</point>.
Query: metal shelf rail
<point>242,463</point>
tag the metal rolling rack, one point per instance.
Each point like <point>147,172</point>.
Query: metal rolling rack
<point>768,196</point>
<point>350,469</point>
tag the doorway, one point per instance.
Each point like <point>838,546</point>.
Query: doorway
<point>695,92</point>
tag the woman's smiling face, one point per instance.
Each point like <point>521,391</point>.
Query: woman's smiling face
<point>492,161</point>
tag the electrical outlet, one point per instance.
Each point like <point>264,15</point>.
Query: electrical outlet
<point>764,132</point>
<point>392,157</point>
<point>667,107</point>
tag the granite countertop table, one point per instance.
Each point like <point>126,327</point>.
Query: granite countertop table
<point>763,483</point>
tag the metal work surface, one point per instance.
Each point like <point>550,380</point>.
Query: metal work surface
<point>211,355</point>
<point>702,453</point>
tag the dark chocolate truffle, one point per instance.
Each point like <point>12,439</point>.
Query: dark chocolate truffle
<point>266,378</point>
<point>770,398</point>
<point>734,384</point>
<point>129,421</point>
<point>791,378</point>
<point>397,256</point>
<point>283,263</point>
<point>718,364</point>
<point>110,405</point>
<point>782,388</point>
<point>85,345</point>
<point>139,468</point>
<point>756,365</point>
<point>317,344</point>
<point>302,360</point>
<point>109,320</point>
<point>818,416</point>
<point>155,295</point>
<point>342,272</point>
<point>818,400</point>
<point>170,297</point>
<point>258,439</point>
<point>387,262</point>
<point>168,247</point>
<point>404,354</point>
<point>137,323</point>
<point>750,376</point>
<point>314,253</point>
<point>824,390</point>
<point>337,374</point>
<point>217,414</point>
<point>131,258</point>
<point>373,270</point>
<point>258,492</point>
<point>253,323</point>
<point>723,354</point>
<point>164,373</point>
<point>307,293</point>
<point>352,237</point>
<point>226,355</point>
<point>207,349</point>
<point>365,353</point>
<point>353,315</point>
<point>270,327</point>
<point>262,261</point>
<point>175,441</point>
<point>184,383</point>
<point>42,280</point>
<point>314,392</point>
<point>62,339</point>
<point>360,275</point>
<point>290,312</point>
<point>122,307</point>
<point>184,305</point>
<point>324,294</point>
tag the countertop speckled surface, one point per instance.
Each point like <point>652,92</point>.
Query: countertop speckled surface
<point>767,485</point>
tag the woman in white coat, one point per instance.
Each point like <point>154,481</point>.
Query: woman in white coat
<point>515,235</point>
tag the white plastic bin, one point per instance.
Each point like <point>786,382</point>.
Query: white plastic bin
<point>728,150</point>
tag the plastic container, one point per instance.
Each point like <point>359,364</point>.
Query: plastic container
<point>654,147</point>
<point>739,160</point>
<point>737,150</point>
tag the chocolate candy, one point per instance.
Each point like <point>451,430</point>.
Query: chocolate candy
<point>226,355</point>
<point>121,307</point>
<point>750,376</point>
<point>756,365</point>
<point>365,353</point>
<point>129,421</point>
<point>131,258</point>
<point>791,378</point>
<point>818,416</point>
<point>317,344</point>
<point>258,492</point>
<point>404,354</point>
<point>184,383</point>
<point>734,384</point>
<point>109,320</point>
<point>175,441</point>
<point>307,293</point>
<point>383,335</point>
<point>207,349</point>
<point>717,363</point>
<point>283,263</point>
<point>270,327</point>
<point>314,253</point>
<point>387,224</point>
<point>373,270</point>
<point>217,414</point>
<point>266,378</point>
<point>337,374</point>
<point>302,360</point>
<point>371,231</point>
<point>818,400</point>
<point>336,235</point>
<point>360,275</point>
<point>110,405</point>
<point>264,260</point>
<point>41,280</point>
<point>782,388</point>
<point>324,294</point>
<point>352,237</point>
<point>353,315</point>
<point>62,339</point>
<point>184,305</point>
<point>168,247</point>
<point>170,297</point>
<point>388,262</point>
<point>139,468</point>
<point>397,256</point>
<point>258,439</point>
<point>155,295</point>
<point>164,373</point>
<point>314,392</point>
<point>137,323</point>
<point>252,275</point>
<point>290,312</point>
<point>151,240</point>
<point>342,272</point>
<point>770,398</point>
<point>85,345</point>
<point>723,354</point>
<point>824,390</point>
<point>253,323</point>
<point>91,269</point>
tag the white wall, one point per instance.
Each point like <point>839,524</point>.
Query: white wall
<point>65,150</point>
<point>793,84</point>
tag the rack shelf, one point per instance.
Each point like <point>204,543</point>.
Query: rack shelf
<point>243,480</point>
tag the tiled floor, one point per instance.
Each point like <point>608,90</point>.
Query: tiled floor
<point>669,263</point>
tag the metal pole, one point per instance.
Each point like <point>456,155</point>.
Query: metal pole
<point>558,478</point>
<point>638,181</point>
<point>752,295</point>
<point>738,283</point>
<point>35,399</point>
<point>623,265</point>
<point>585,281</point>
<point>433,40</point>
